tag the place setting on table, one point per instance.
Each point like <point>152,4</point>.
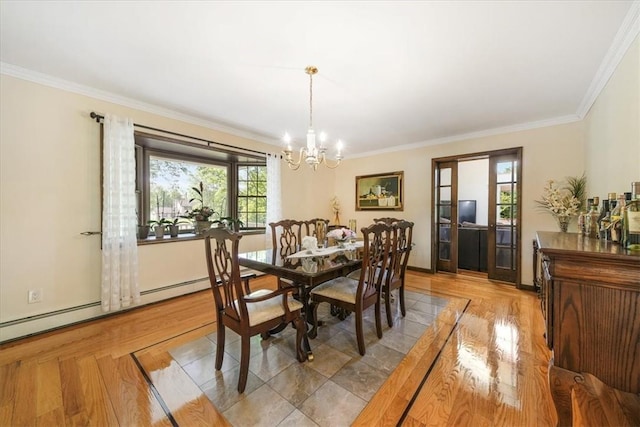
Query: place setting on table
<point>312,252</point>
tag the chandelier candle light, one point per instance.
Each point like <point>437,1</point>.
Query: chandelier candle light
<point>312,154</point>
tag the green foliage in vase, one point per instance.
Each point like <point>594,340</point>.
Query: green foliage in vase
<point>577,187</point>
<point>162,222</point>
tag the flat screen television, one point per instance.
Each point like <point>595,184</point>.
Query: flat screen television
<point>466,211</point>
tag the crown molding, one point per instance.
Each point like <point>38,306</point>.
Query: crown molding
<point>625,36</point>
<point>47,80</point>
<point>473,135</point>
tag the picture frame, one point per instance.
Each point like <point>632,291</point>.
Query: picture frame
<point>380,192</point>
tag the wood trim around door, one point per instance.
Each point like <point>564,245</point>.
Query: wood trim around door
<point>515,151</point>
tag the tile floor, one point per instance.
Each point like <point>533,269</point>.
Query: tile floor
<point>329,391</point>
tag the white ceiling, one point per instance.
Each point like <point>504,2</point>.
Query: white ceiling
<point>390,73</point>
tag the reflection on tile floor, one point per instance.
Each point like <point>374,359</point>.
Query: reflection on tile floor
<point>329,391</point>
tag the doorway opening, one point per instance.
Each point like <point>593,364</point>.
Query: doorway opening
<point>476,214</point>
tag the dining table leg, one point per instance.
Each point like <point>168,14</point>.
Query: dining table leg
<point>304,299</point>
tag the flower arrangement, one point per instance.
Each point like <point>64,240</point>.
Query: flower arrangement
<point>341,234</point>
<point>201,213</point>
<point>565,200</point>
<point>335,206</point>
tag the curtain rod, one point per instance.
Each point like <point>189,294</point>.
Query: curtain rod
<point>99,117</point>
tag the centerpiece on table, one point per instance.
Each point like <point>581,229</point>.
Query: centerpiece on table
<point>341,235</point>
<point>564,200</point>
<point>201,214</point>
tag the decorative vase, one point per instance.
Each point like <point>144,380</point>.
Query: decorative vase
<point>563,222</point>
<point>143,231</point>
<point>159,231</point>
<point>173,230</point>
<point>201,226</point>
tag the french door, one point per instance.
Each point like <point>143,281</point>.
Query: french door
<point>446,214</point>
<point>503,228</point>
<point>503,237</point>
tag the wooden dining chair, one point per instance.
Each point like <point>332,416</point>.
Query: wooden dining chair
<point>394,277</point>
<point>287,235</point>
<point>237,308</point>
<point>357,295</point>
<point>317,227</point>
<point>286,238</point>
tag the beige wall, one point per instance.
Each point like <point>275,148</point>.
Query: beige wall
<point>612,137</point>
<point>50,193</point>
<point>551,152</point>
<point>50,175</point>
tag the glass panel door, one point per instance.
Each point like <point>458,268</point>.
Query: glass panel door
<point>446,214</point>
<point>504,186</point>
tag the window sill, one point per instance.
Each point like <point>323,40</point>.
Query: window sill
<point>184,237</point>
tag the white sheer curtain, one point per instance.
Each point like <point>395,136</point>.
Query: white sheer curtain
<point>119,244</point>
<point>274,202</point>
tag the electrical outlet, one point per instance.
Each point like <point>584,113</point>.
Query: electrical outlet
<point>35,295</point>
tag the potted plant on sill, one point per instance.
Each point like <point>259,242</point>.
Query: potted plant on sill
<point>143,231</point>
<point>231,223</point>
<point>201,214</point>
<point>159,226</point>
<point>174,227</point>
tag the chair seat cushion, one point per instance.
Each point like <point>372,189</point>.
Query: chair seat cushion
<point>263,311</point>
<point>355,275</point>
<point>341,288</point>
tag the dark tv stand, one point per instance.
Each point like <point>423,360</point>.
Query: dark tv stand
<point>472,248</point>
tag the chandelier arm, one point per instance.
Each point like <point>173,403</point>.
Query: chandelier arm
<point>294,165</point>
<point>327,164</point>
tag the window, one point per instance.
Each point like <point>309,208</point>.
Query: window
<point>171,182</point>
<point>234,185</point>
<point>252,195</point>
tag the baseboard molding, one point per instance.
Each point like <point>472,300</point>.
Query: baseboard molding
<point>420,269</point>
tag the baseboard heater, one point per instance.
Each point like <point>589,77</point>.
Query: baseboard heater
<point>93,312</point>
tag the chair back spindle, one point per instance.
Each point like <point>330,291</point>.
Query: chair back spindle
<point>287,235</point>
<point>394,276</point>
<point>224,274</point>
<point>405,242</point>
<point>317,227</point>
<point>377,242</point>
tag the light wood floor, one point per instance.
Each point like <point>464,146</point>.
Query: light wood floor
<point>484,363</point>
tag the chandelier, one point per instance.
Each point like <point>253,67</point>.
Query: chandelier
<point>312,154</point>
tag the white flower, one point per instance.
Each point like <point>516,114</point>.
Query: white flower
<point>559,202</point>
<point>341,234</point>
<point>335,205</point>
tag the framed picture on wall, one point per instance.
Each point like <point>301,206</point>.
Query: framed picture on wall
<point>381,192</point>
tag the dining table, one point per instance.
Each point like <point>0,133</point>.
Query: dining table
<point>305,269</point>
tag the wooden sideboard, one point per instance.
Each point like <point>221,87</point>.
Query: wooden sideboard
<point>590,295</point>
